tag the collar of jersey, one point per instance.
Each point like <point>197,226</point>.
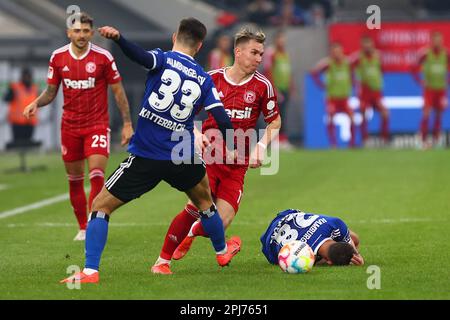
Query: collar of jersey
<point>83,56</point>
<point>184,54</point>
<point>231,81</point>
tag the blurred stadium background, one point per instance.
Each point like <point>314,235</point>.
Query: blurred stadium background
<point>30,30</point>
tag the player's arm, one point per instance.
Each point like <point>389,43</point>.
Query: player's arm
<point>271,131</point>
<point>417,66</point>
<point>322,66</point>
<point>44,99</point>
<point>130,49</point>
<point>122,104</point>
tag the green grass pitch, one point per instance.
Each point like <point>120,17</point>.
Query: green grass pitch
<point>397,201</point>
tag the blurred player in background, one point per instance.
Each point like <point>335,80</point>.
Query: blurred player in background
<point>278,69</point>
<point>245,93</point>
<point>85,71</point>
<point>220,56</point>
<point>367,65</point>
<point>329,237</point>
<point>338,87</point>
<point>434,63</point>
<point>176,88</point>
<point>20,95</point>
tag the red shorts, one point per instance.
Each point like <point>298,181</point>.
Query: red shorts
<point>335,105</point>
<point>370,98</point>
<point>84,143</point>
<point>436,99</point>
<point>227,182</point>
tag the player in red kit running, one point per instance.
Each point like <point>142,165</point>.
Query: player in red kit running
<point>245,93</point>
<point>85,71</point>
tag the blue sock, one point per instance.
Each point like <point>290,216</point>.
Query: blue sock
<point>96,235</point>
<point>213,226</point>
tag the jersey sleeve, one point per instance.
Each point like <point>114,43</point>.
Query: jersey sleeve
<point>53,76</point>
<point>269,104</point>
<point>158,58</point>
<point>340,231</point>
<point>112,73</point>
<point>211,96</point>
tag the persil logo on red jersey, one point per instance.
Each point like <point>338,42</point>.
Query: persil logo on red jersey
<point>80,84</point>
<point>239,114</point>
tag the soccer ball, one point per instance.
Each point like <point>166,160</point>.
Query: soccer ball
<point>296,257</point>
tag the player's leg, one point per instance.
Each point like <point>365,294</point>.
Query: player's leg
<point>97,165</point>
<point>228,192</point>
<point>426,115</point>
<point>384,112</point>
<point>331,111</point>
<point>96,150</point>
<point>75,175</point>
<point>346,108</point>
<point>364,131</point>
<point>129,181</point>
<point>441,103</point>
<point>72,150</point>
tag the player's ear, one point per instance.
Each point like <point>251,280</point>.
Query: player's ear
<point>174,37</point>
<point>199,46</point>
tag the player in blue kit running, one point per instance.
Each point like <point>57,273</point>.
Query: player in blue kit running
<point>176,88</point>
<point>329,237</point>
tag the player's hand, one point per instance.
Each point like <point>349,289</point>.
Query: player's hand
<point>127,133</point>
<point>30,110</point>
<point>201,142</point>
<point>109,32</point>
<point>257,156</point>
<point>357,260</point>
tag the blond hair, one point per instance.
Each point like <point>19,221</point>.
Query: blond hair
<point>248,33</point>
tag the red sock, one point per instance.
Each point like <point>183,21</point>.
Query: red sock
<point>352,132</point>
<point>364,132</point>
<point>331,133</point>
<point>78,199</point>
<point>97,177</point>
<point>385,128</point>
<point>178,230</point>
<point>437,126</point>
<point>424,128</point>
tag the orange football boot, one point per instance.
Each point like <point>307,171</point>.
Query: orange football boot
<point>81,277</point>
<point>233,247</point>
<point>163,268</point>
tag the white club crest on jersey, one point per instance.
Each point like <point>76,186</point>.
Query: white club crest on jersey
<point>91,67</point>
<point>249,96</point>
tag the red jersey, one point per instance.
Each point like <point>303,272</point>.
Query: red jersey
<point>85,83</point>
<point>244,102</point>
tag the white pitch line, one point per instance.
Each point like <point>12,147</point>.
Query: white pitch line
<point>3,187</point>
<point>33,206</point>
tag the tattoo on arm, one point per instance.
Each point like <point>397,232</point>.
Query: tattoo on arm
<point>122,103</point>
<point>47,96</point>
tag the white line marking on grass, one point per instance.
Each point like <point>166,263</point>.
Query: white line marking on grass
<point>3,187</point>
<point>33,206</point>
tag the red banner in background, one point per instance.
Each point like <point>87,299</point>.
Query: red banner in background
<point>399,42</point>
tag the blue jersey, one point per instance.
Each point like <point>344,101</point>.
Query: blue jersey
<point>311,228</point>
<point>176,89</point>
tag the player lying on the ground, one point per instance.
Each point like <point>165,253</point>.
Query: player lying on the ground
<point>329,237</point>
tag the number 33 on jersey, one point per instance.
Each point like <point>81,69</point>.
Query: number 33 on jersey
<point>175,91</point>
